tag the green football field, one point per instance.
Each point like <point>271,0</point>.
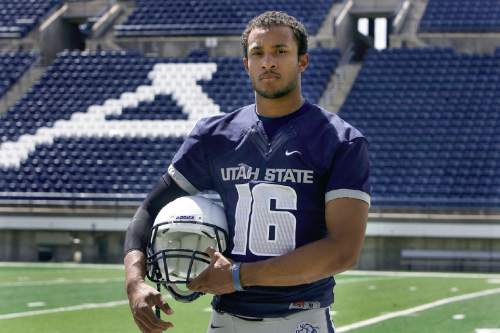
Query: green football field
<point>90,299</point>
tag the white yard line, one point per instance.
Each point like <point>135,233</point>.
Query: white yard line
<point>358,280</point>
<point>423,307</point>
<point>424,274</point>
<point>59,265</point>
<point>58,281</point>
<point>63,309</point>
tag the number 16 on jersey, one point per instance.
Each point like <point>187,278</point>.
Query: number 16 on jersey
<point>268,232</point>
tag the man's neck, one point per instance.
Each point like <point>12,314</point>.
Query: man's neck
<point>278,107</point>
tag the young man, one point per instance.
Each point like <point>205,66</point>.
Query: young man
<point>294,180</point>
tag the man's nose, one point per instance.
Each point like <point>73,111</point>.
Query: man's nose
<point>268,62</point>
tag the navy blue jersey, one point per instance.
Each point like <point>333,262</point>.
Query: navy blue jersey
<point>274,191</point>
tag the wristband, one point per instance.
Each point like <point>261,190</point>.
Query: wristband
<point>235,271</point>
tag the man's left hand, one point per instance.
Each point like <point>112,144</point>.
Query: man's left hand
<point>216,278</point>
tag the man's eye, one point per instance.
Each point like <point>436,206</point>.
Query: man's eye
<point>282,51</point>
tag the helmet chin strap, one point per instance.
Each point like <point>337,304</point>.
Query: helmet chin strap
<point>157,307</point>
<point>183,295</point>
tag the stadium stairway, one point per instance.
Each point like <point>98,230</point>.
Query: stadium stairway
<point>21,87</point>
<point>324,33</point>
<point>17,74</point>
<point>107,40</point>
<point>339,87</point>
<point>408,32</point>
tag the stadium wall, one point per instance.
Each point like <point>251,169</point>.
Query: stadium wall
<point>51,237</point>
<point>385,253</point>
<point>61,246</point>
<point>56,233</point>
<point>181,46</point>
<point>484,43</point>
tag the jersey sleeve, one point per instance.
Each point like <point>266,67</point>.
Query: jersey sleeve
<point>349,174</point>
<point>189,167</point>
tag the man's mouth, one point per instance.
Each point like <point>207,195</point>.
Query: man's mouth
<point>269,76</point>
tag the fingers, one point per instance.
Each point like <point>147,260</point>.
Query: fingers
<point>214,255</point>
<point>197,283</point>
<point>141,325</point>
<point>142,310</point>
<point>215,277</point>
<point>145,326</point>
<point>210,251</point>
<point>157,300</point>
<point>166,308</point>
<point>154,299</point>
<point>147,320</point>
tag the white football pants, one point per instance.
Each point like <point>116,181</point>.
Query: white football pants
<point>308,321</point>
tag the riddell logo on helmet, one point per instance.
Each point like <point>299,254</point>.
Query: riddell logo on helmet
<point>185,217</point>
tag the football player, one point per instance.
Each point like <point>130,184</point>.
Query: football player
<point>294,181</point>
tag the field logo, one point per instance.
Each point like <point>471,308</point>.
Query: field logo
<point>180,81</point>
<point>306,328</point>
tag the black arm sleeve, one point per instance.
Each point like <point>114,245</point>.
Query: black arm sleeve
<point>139,229</point>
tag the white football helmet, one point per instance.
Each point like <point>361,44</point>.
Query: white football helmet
<point>181,233</point>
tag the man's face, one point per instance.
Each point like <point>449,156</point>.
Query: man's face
<point>272,62</point>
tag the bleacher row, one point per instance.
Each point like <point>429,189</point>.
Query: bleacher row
<point>18,18</point>
<point>90,168</point>
<point>229,17</point>
<point>461,16</point>
<point>209,17</point>
<point>106,125</point>
<point>225,17</point>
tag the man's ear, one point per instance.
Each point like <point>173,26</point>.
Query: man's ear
<point>245,63</point>
<point>303,62</point>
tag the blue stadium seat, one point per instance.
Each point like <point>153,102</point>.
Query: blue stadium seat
<point>434,131</point>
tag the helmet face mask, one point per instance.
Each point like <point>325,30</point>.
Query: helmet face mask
<point>182,232</point>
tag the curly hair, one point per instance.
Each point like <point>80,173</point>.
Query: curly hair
<point>275,18</point>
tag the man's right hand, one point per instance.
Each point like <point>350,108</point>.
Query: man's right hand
<point>142,298</point>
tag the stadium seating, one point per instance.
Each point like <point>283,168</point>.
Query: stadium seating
<point>18,18</point>
<point>432,118</point>
<point>461,16</point>
<point>209,17</point>
<point>12,66</point>
<point>105,125</point>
